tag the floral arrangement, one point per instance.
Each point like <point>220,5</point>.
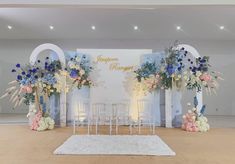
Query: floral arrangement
<point>200,76</point>
<point>178,70</point>
<point>194,121</point>
<point>41,123</point>
<point>78,70</point>
<point>172,67</point>
<point>147,69</point>
<point>148,77</point>
<point>34,84</point>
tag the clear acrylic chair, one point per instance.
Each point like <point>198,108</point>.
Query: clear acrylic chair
<point>145,116</point>
<point>81,114</point>
<point>121,115</point>
<point>101,116</point>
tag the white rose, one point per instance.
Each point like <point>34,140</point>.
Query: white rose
<point>204,83</point>
<point>69,63</point>
<point>78,59</point>
<point>82,72</point>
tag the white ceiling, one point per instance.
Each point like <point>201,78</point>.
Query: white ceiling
<point>155,22</point>
<point>36,3</point>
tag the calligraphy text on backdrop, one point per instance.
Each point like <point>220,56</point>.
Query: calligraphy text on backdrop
<point>113,63</point>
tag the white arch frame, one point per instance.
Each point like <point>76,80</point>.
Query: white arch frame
<point>60,53</point>
<point>168,92</point>
<point>195,54</point>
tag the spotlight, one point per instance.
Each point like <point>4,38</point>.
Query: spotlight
<point>178,28</point>
<point>221,27</point>
<point>51,27</point>
<point>136,27</point>
<point>9,27</point>
<point>93,27</point>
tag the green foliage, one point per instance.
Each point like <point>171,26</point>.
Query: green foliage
<point>29,97</point>
<point>166,81</point>
<point>146,70</point>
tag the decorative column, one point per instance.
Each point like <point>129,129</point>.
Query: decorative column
<point>195,54</point>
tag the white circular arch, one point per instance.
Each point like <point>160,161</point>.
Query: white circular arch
<point>60,53</point>
<point>195,54</point>
<point>47,46</point>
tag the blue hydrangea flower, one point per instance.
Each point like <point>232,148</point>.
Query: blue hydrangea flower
<point>49,79</point>
<point>19,77</point>
<point>170,69</point>
<point>73,73</point>
<point>34,70</point>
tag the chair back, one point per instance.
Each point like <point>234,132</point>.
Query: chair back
<point>121,110</point>
<point>144,108</point>
<point>82,109</point>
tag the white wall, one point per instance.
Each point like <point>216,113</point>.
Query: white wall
<point>222,54</point>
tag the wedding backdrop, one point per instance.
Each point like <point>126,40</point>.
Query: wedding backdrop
<point>112,68</point>
<point>113,88</point>
<point>113,78</point>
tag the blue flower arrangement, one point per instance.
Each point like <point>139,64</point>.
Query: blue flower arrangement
<point>30,77</point>
<point>79,70</point>
<point>178,70</point>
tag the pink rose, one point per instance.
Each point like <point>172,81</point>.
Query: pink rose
<point>27,89</point>
<point>205,77</point>
<point>36,119</point>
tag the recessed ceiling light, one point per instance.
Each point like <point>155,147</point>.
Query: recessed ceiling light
<point>136,27</point>
<point>93,27</point>
<point>178,28</point>
<point>221,27</point>
<point>51,27</point>
<point>9,27</point>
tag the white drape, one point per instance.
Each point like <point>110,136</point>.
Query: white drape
<point>154,97</point>
<point>176,108</point>
<point>74,97</point>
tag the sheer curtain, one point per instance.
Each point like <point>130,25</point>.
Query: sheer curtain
<point>154,97</point>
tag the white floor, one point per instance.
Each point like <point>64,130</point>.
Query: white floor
<point>214,121</point>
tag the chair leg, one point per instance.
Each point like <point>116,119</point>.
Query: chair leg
<point>130,128</point>
<point>96,126</point>
<point>153,128</point>
<point>88,127</point>
<point>139,125</point>
<point>110,126</point>
<point>74,126</point>
<point>91,124</point>
<point>77,127</point>
<point>116,125</point>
